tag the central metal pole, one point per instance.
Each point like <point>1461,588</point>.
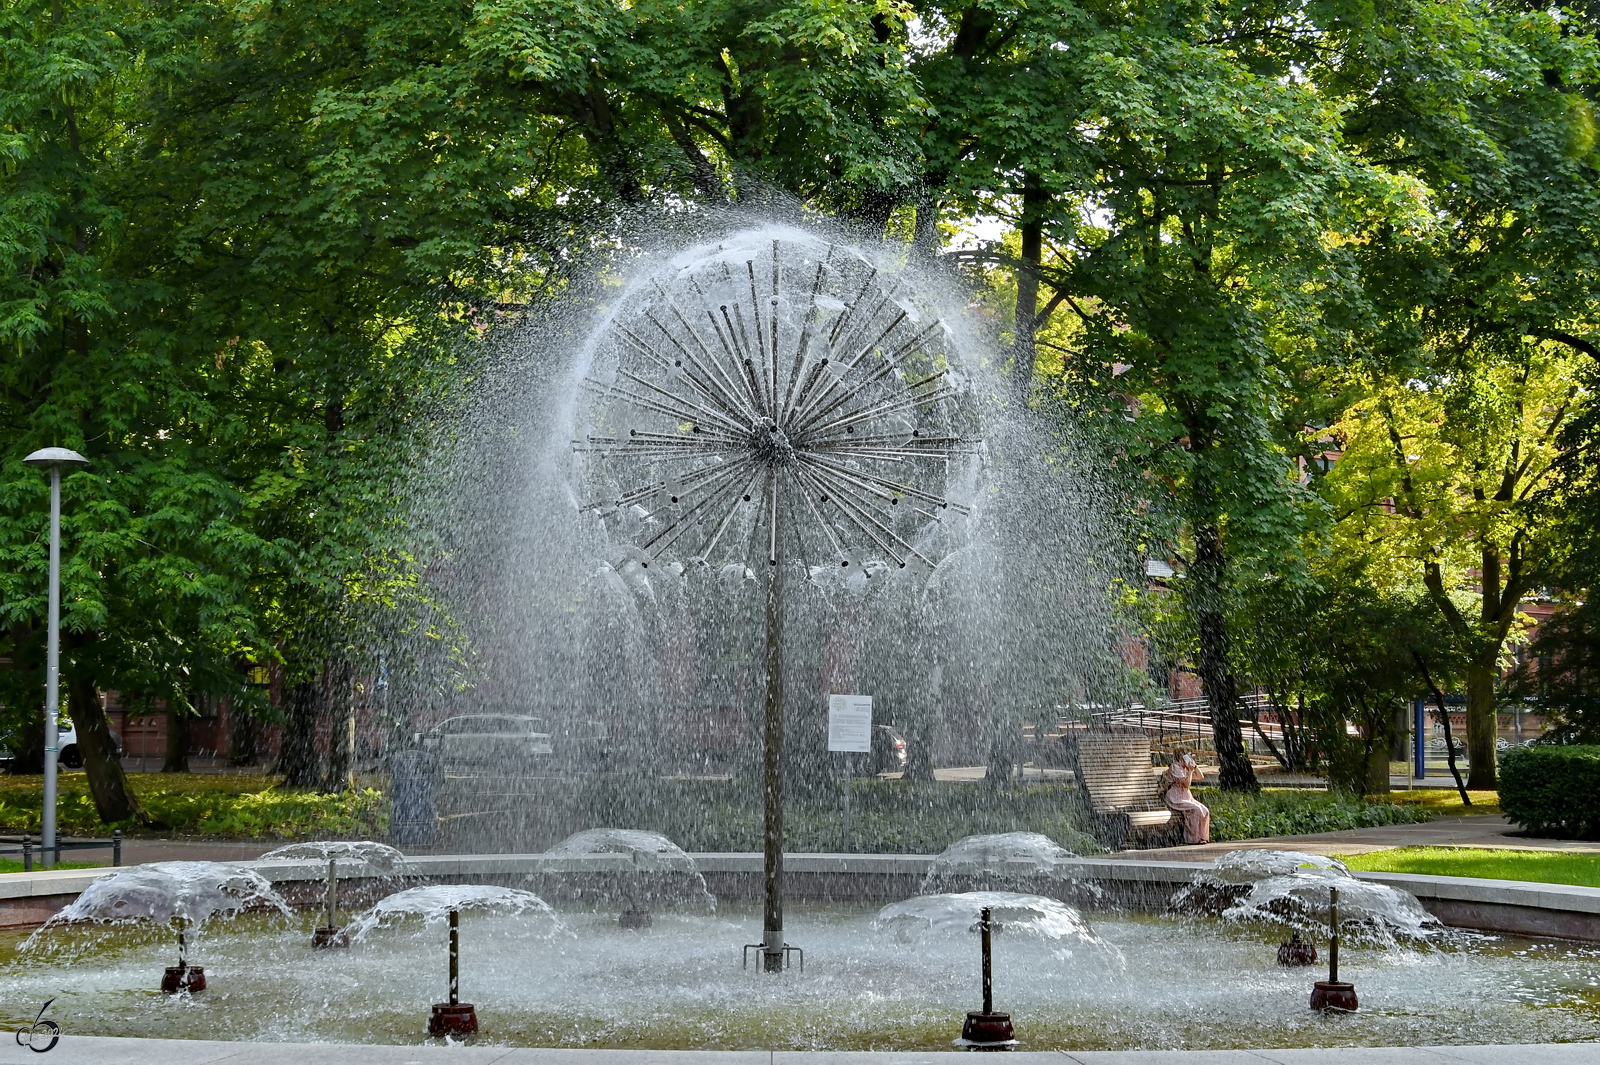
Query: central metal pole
<point>333,893</point>
<point>1333,935</point>
<point>52,671</point>
<point>847,777</point>
<point>183,943</point>
<point>985,927</point>
<point>772,913</point>
<point>455,957</point>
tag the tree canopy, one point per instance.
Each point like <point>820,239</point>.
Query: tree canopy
<point>249,249</point>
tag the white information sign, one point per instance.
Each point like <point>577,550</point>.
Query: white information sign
<point>850,723</point>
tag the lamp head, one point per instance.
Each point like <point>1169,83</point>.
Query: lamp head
<point>47,457</point>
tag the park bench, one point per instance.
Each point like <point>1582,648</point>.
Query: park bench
<point>1114,774</point>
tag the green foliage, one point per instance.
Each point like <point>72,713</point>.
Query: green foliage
<point>1552,790</point>
<point>248,252</point>
<point>1274,812</point>
<point>1350,645</point>
<point>1545,867</point>
<point>240,806</point>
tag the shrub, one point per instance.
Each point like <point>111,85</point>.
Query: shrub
<point>1270,812</point>
<point>1552,790</point>
<point>222,804</point>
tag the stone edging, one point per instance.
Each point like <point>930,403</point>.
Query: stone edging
<point>1490,905</point>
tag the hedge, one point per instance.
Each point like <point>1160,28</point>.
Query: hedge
<point>1552,790</point>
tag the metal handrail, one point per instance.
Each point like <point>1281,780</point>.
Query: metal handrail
<point>27,848</point>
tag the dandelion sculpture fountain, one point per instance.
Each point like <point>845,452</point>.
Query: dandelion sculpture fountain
<point>787,400</point>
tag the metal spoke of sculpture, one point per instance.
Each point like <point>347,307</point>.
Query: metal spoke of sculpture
<point>786,403</point>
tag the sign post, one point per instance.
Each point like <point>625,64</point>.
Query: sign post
<point>849,732</point>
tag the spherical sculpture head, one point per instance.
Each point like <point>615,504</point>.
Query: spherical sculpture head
<point>775,397</point>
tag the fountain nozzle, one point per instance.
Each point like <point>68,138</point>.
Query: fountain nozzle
<point>1296,951</point>
<point>331,935</point>
<point>987,1030</point>
<point>1332,993</point>
<point>454,1017</point>
<point>183,976</point>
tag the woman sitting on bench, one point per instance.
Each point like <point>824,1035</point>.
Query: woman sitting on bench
<point>1175,793</point>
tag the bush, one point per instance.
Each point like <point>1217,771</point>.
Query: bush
<point>887,816</point>
<point>1552,791</point>
<point>1287,812</point>
<point>222,804</point>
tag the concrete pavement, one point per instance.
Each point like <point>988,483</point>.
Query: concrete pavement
<point>90,1050</point>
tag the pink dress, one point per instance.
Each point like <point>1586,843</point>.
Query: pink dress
<point>1178,797</point>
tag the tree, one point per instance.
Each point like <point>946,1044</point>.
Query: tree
<point>1172,180</point>
<point>1473,323</point>
<point>1449,479</point>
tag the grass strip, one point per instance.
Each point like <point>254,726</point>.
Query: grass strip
<point>1581,868</point>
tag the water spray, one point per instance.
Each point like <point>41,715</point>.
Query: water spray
<point>987,1030</point>
<point>1332,993</point>
<point>331,935</point>
<point>454,1017</point>
<point>794,410</point>
<point>183,976</point>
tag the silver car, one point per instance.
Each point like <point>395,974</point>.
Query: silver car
<point>486,740</point>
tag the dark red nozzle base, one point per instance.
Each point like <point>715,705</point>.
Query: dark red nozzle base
<point>328,936</point>
<point>635,917</point>
<point>987,1031</point>
<point>1296,952</point>
<point>1330,995</point>
<point>180,978</point>
<point>453,1018</point>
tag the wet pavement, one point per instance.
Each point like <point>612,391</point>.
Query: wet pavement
<point>88,1050</point>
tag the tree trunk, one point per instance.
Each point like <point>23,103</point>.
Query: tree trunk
<point>1023,348</point>
<point>297,754</point>
<point>1206,583</point>
<point>27,751</point>
<point>113,799</point>
<point>1377,782</point>
<point>1481,726</point>
<point>925,236</point>
<point>177,758</point>
<point>918,721</point>
<point>340,686</point>
<point>244,737</point>
<point>1005,750</point>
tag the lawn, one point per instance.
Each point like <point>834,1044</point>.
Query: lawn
<point>9,866</point>
<point>1548,867</point>
<point>1446,802</point>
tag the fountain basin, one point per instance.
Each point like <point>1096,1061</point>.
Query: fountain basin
<point>678,985</point>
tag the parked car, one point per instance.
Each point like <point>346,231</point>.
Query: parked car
<point>488,740</point>
<point>888,749</point>
<point>584,744</point>
<point>68,755</point>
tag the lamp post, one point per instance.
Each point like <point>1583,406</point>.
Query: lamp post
<point>52,459</point>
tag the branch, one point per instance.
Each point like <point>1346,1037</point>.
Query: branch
<point>1444,717</point>
<point>1576,343</point>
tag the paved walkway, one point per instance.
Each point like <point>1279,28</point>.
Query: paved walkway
<point>1477,830</point>
<point>87,1050</point>
<point>139,851</point>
